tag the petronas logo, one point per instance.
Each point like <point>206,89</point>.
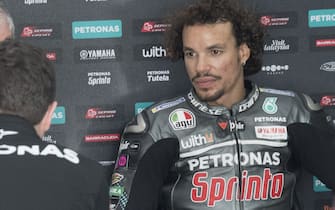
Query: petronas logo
<point>181,119</point>
<point>269,105</point>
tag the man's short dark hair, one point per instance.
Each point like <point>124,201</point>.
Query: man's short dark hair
<point>246,28</point>
<point>27,80</point>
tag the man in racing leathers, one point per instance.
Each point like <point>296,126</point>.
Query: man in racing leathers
<point>227,144</point>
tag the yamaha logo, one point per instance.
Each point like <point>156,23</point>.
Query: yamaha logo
<point>97,54</point>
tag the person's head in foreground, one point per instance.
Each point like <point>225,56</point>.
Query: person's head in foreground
<point>27,84</point>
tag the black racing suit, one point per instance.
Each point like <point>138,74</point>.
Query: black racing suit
<point>36,175</point>
<point>182,154</point>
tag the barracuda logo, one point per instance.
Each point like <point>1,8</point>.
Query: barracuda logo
<point>321,18</point>
<point>96,29</point>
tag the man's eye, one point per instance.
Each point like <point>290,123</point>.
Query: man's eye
<point>216,52</point>
<point>188,54</point>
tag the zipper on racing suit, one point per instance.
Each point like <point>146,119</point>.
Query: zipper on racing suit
<point>234,120</point>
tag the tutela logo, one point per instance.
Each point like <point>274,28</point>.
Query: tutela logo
<point>181,119</point>
<point>96,29</point>
<point>321,18</point>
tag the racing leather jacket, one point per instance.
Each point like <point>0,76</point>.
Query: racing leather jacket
<point>182,154</point>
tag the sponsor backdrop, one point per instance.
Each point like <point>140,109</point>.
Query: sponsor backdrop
<point>111,64</point>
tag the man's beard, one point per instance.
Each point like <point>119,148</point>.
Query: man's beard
<point>210,98</point>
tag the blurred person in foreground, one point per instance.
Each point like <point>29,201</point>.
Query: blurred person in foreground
<point>228,143</point>
<point>7,28</point>
<point>37,175</point>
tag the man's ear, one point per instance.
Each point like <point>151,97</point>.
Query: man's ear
<point>44,125</point>
<point>244,52</point>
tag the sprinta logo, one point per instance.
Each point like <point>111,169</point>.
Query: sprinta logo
<point>99,78</point>
<point>321,18</point>
<point>96,29</point>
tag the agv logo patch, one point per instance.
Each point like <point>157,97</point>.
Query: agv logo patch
<point>181,119</point>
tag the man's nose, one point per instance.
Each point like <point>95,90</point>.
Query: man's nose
<point>202,64</point>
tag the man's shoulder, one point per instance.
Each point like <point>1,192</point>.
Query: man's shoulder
<point>295,97</point>
<point>166,105</point>
<point>278,92</point>
<point>156,114</point>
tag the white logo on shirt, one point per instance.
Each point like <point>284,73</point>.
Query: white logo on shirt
<point>6,133</point>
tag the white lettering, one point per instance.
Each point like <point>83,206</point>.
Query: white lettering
<point>225,160</point>
<point>36,150</point>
